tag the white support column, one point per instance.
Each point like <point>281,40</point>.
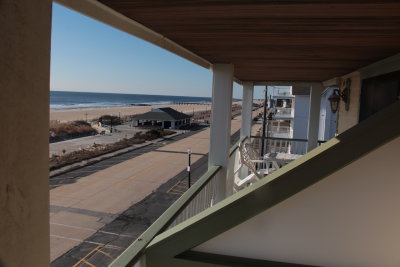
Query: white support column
<point>313,121</point>
<point>221,126</point>
<point>247,109</point>
<point>247,121</point>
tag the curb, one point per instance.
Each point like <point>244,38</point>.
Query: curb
<point>87,162</point>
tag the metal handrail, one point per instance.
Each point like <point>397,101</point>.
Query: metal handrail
<point>287,139</point>
<point>136,249</point>
<point>281,139</point>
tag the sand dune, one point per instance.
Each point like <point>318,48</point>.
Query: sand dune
<point>80,114</point>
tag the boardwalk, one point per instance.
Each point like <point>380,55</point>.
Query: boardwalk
<point>80,209</point>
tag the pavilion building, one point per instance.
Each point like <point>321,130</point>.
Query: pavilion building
<point>164,118</point>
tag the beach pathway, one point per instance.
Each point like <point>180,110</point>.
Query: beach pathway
<point>80,209</point>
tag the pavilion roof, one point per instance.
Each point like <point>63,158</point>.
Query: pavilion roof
<point>162,114</point>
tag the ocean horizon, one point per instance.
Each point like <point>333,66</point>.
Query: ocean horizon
<point>64,100</point>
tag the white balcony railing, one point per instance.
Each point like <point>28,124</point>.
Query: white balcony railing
<point>284,112</point>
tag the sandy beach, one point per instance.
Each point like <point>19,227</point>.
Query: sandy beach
<point>80,114</point>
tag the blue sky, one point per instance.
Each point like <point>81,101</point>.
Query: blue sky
<point>89,56</point>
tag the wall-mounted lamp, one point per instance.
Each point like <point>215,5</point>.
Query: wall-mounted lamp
<point>334,99</point>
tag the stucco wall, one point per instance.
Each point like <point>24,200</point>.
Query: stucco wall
<point>351,218</point>
<point>24,104</point>
<point>349,118</point>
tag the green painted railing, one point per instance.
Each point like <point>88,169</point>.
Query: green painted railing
<point>132,254</point>
<point>178,212</point>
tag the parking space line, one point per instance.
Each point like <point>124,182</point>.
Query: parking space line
<point>94,251</point>
<point>89,229</point>
<point>84,258</point>
<point>179,188</point>
<point>83,241</point>
<point>104,253</point>
<point>172,187</point>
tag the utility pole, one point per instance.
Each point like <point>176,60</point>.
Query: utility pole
<point>264,121</point>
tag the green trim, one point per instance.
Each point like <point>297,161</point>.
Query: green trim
<point>203,259</point>
<point>236,145</point>
<point>135,250</point>
<point>177,262</point>
<point>387,65</point>
<point>232,261</point>
<point>278,186</point>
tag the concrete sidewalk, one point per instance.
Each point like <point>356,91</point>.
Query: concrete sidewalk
<point>78,210</point>
<point>124,131</point>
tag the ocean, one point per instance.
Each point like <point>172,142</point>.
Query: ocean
<point>61,100</point>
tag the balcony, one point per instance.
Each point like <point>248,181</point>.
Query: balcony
<point>281,113</point>
<point>283,94</point>
<point>203,194</point>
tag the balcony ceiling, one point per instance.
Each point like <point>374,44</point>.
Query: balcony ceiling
<point>290,40</point>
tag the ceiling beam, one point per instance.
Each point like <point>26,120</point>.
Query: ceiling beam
<point>331,82</point>
<point>285,83</point>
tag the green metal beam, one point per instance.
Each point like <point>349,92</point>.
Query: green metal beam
<point>232,261</point>
<point>387,65</point>
<point>134,251</point>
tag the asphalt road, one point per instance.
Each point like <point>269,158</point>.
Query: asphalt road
<point>105,245</point>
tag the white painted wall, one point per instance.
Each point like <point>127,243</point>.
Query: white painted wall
<point>351,218</point>
<point>300,121</point>
<point>349,118</point>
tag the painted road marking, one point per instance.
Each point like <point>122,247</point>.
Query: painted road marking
<point>84,241</point>
<point>179,188</point>
<point>89,229</point>
<point>92,252</point>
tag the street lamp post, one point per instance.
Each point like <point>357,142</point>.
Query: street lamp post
<point>188,168</point>
<point>111,124</point>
